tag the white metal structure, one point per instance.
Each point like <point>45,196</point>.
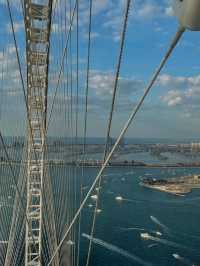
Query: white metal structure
<point>188,13</point>
<point>37,22</point>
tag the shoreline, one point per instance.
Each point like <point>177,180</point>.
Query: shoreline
<point>111,164</point>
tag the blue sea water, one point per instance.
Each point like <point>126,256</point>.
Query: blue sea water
<point>180,215</point>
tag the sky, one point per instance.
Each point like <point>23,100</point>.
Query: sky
<point>171,110</point>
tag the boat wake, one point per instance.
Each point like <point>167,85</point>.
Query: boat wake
<point>116,249</point>
<point>147,236</point>
<point>172,233</point>
<point>183,260</point>
<point>157,222</point>
<point>132,229</point>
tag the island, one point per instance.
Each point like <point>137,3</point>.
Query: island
<point>177,186</point>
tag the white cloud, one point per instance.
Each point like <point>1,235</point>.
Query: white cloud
<point>55,28</point>
<point>102,85</point>
<point>172,98</point>
<point>11,49</point>
<point>15,3</point>
<point>183,91</point>
<point>180,82</point>
<point>169,11</point>
<point>10,71</point>
<point>141,10</point>
<point>18,26</point>
<point>100,6</point>
<point>1,57</point>
<point>152,9</point>
<point>148,10</point>
<point>93,35</point>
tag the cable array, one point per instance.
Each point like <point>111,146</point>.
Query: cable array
<point>125,128</point>
<point>123,35</point>
<point>43,196</point>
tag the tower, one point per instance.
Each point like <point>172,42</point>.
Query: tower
<point>37,24</point>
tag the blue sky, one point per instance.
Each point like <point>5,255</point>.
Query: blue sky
<point>172,108</point>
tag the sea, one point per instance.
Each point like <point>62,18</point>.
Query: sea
<point>171,223</point>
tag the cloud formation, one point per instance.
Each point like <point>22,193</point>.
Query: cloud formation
<point>102,84</point>
<point>184,91</point>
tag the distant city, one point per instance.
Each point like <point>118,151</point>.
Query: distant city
<point>72,152</point>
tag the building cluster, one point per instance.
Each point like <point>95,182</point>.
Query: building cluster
<point>195,146</point>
